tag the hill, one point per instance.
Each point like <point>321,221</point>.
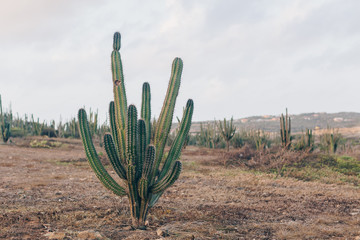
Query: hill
<point>299,122</point>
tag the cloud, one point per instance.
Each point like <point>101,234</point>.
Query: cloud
<point>241,58</point>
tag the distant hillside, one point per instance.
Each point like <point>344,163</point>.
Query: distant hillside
<point>299,122</point>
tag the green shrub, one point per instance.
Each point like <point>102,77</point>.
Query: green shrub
<point>348,165</point>
<point>17,132</point>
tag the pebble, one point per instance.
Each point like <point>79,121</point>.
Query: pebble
<point>55,235</point>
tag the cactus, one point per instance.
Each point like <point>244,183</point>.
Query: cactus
<point>330,139</point>
<point>37,127</point>
<point>134,157</point>
<point>259,138</point>
<point>309,139</point>
<point>178,128</point>
<point>208,136</point>
<point>227,131</point>
<point>93,122</point>
<point>60,129</point>
<point>306,141</point>
<point>101,132</point>
<point>71,128</point>
<point>285,130</point>
<point>5,124</point>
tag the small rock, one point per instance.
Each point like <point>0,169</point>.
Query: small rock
<point>128,228</point>
<point>162,232</point>
<point>357,238</point>
<point>55,235</point>
<point>108,211</point>
<point>89,234</point>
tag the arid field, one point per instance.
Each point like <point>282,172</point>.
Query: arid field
<point>51,193</point>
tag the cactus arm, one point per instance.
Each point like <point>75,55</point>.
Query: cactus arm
<point>168,180</point>
<point>119,94</point>
<point>142,141</point>
<point>143,193</point>
<point>131,135</point>
<point>131,151</point>
<point>93,158</point>
<point>167,112</point>
<point>117,41</point>
<point>133,192</point>
<point>113,156</point>
<point>113,128</point>
<point>146,110</point>
<point>149,161</point>
<point>183,132</point>
<point>143,186</point>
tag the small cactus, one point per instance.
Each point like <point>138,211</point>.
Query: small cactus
<point>5,124</point>
<point>208,136</point>
<point>135,157</point>
<point>285,130</point>
<point>227,130</point>
<point>330,139</point>
<point>37,127</point>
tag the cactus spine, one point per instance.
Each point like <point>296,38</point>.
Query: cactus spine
<point>227,130</point>
<point>5,121</point>
<point>285,130</point>
<point>135,157</point>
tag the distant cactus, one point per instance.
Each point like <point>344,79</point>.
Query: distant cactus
<point>37,127</point>
<point>71,128</point>
<point>208,136</point>
<point>60,129</point>
<point>5,121</point>
<point>93,122</point>
<point>285,130</point>
<point>227,131</point>
<point>260,139</point>
<point>306,141</point>
<point>330,139</point>
<point>134,157</point>
<point>309,139</point>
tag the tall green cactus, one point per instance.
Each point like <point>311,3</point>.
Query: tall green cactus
<point>227,130</point>
<point>285,130</point>
<point>145,171</point>
<point>5,124</point>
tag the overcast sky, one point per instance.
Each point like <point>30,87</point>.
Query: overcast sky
<point>241,57</point>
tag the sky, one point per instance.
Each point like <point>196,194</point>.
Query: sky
<point>241,58</point>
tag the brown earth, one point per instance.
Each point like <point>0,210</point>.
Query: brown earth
<point>53,194</point>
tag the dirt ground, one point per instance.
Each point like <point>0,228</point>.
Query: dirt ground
<point>53,194</point>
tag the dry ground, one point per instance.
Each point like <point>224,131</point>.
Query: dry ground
<point>44,191</point>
